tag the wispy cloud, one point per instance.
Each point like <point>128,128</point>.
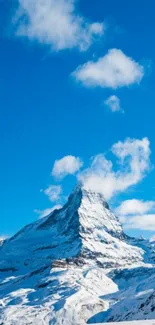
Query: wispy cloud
<point>152,239</point>
<point>68,165</point>
<point>46,212</point>
<point>143,222</point>
<point>2,238</point>
<point>137,214</point>
<point>113,70</point>
<point>134,162</point>
<point>55,23</point>
<point>132,207</point>
<point>113,104</point>
<point>53,192</point>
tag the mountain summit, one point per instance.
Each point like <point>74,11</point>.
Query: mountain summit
<point>55,270</point>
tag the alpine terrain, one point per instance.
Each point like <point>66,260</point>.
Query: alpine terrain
<point>76,266</point>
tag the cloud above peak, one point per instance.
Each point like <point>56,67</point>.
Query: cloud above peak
<point>113,70</point>
<point>133,157</point>
<point>53,192</point>
<point>131,165</point>
<point>68,165</point>
<point>55,23</point>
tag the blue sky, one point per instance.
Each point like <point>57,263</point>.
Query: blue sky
<point>48,112</point>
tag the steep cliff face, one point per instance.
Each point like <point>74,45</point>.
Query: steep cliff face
<point>73,266</point>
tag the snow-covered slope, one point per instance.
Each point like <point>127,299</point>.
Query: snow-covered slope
<point>76,266</point>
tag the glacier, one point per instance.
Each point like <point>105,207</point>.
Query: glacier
<point>76,266</point>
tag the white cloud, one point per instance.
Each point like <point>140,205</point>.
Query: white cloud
<point>137,214</point>
<point>65,166</point>
<point>55,23</point>
<point>113,70</point>
<point>132,207</point>
<point>134,162</point>
<point>152,239</point>
<point>46,212</point>
<point>53,192</point>
<point>2,238</point>
<point>113,103</point>
<point>143,222</point>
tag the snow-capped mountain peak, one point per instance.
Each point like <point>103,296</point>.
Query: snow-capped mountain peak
<point>55,270</point>
<point>85,228</point>
<point>91,227</point>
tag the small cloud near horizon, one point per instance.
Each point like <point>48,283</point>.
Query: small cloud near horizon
<point>46,212</point>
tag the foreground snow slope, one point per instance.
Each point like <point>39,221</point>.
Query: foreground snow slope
<point>76,266</point>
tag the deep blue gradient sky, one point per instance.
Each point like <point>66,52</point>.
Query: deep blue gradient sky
<point>45,115</point>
